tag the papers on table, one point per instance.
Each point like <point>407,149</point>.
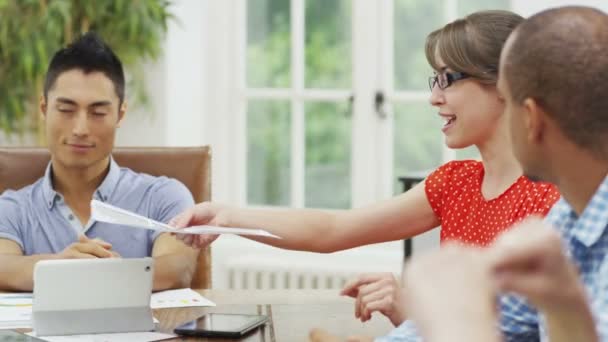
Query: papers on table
<point>120,337</point>
<point>15,310</point>
<point>178,299</point>
<point>104,212</point>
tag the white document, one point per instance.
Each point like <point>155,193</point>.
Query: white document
<point>122,337</point>
<point>15,310</point>
<point>180,298</point>
<point>104,212</point>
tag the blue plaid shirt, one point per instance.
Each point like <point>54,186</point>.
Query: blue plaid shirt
<point>586,240</point>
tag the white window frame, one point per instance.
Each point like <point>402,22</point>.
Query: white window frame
<point>229,95</point>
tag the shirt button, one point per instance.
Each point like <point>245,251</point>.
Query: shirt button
<point>70,217</point>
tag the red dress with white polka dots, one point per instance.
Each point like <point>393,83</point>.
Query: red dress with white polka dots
<point>454,193</point>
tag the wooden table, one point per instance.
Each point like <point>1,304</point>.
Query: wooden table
<point>292,313</point>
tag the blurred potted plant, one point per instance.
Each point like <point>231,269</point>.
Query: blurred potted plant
<point>32,30</point>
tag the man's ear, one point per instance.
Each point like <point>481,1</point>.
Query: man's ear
<point>43,107</point>
<point>534,120</point>
<point>121,112</point>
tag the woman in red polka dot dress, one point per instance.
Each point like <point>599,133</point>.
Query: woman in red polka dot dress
<point>456,194</point>
<point>472,201</point>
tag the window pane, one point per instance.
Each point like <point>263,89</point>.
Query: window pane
<point>328,146</point>
<point>417,141</point>
<point>328,44</point>
<point>268,43</point>
<point>268,148</point>
<point>466,7</point>
<point>414,20</point>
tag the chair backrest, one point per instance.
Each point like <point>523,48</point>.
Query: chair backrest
<point>191,165</point>
<point>409,182</point>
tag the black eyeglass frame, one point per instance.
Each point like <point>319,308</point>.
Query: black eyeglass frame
<point>446,79</point>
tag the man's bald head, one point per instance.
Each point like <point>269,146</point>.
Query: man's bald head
<point>559,58</point>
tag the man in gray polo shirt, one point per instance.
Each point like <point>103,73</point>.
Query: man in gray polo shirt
<point>83,105</point>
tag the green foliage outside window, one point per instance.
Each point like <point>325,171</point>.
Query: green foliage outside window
<point>327,65</point>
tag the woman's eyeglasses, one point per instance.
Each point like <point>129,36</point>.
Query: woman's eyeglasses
<point>445,79</point>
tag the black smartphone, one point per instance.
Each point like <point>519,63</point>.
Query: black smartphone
<point>13,336</point>
<point>221,325</point>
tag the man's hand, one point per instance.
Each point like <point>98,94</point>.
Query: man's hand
<point>204,213</point>
<point>376,292</point>
<point>530,260</point>
<point>87,248</point>
<point>450,295</point>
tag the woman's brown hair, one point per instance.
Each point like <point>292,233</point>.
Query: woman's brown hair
<point>472,45</point>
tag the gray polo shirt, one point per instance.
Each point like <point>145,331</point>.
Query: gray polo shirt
<point>37,218</point>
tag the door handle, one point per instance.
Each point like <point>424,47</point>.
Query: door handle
<point>379,101</point>
<point>349,106</point>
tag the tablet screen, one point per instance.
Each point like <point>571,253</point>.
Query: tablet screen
<point>224,322</point>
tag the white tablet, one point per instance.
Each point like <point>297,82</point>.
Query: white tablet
<point>82,296</point>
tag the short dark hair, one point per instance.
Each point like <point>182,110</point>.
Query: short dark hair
<point>559,58</point>
<point>88,53</point>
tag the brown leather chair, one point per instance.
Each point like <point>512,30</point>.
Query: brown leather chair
<point>190,165</point>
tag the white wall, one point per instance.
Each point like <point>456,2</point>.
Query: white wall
<point>176,86</point>
<point>13,140</point>
<point>185,57</point>
<point>146,126</point>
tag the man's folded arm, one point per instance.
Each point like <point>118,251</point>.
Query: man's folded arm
<point>17,270</point>
<point>174,262</point>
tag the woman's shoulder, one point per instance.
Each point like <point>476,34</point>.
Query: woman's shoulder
<point>461,168</point>
<point>535,197</point>
<point>538,187</point>
<point>456,174</point>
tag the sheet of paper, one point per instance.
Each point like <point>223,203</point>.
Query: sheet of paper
<point>104,212</point>
<point>15,310</point>
<point>223,230</point>
<point>121,337</point>
<point>180,298</point>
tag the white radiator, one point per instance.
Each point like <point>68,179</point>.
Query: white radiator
<point>258,273</point>
<point>242,264</point>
